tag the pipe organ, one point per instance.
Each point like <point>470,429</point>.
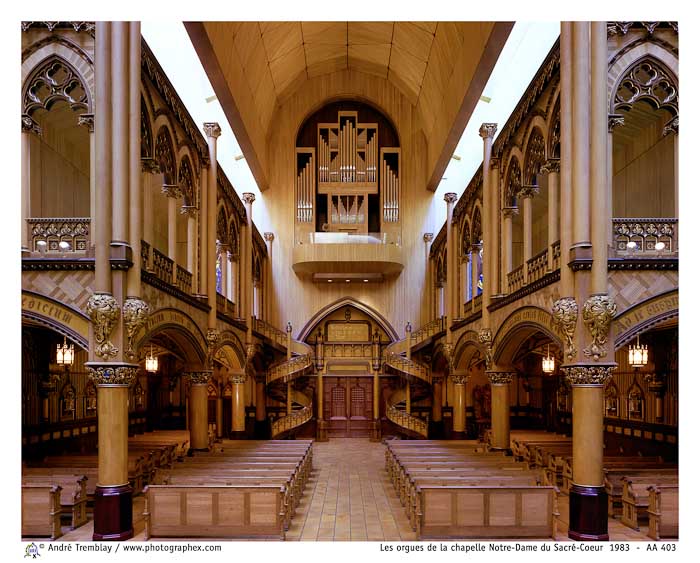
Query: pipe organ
<point>347,183</point>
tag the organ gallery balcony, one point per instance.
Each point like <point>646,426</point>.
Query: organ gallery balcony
<point>343,256</point>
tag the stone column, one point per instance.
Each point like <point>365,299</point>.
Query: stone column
<point>475,249</point>
<point>507,245</point>
<point>408,398</point>
<point>88,120</point>
<point>581,141</point>
<point>173,193</point>
<point>436,411</point>
<point>191,213</point>
<point>459,412</point>
<point>199,426</point>
<point>260,399</point>
<point>587,497</point>
<point>222,253</point>
<point>464,285</point>
<point>219,413</point>
<point>427,240</point>
<point>213,132</point>
<point>671,128</point>
<point>500,409</point>
<point>238,406</point>
<point>551,168</point>
<point>29,127</point>
<point>527,193</point>
<point>566,201</point>
<point>269,238</point>
<point>450,199</point>
<point>233,280</point>
<point>487,132</point>
<point>149,167</point>
<point>203,232</point>
<point>247,274</point>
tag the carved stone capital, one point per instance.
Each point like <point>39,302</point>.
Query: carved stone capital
<point>136,312</point>
<point>460,379</point>
<point>428,237</point>
<point>87,120</point>
<point>587,375</point>
<point>485,337</point>
<point>509,211</point>
<point>248,197</point>
<point>237,378</point>
<point>598,313</point>
<point>621,28</point>
<point>494,163</point>
<point>475,247</point>
<point>30,126</point>
<point>171,190</point>
<point>189,210</point>
<point>200,377</point>
<point>614,120</point>
<point>450,197</point>
<point>528,191</point>
<point>212,129</point>
<point>112,373</point>
<point>500,377</point>
<point>551,166</point>
<point>150,166</point>
<point>565,313</point>
<point>671,127</point>
<point>103,310</point>
<point>488,130</point>
<point>269,237</point>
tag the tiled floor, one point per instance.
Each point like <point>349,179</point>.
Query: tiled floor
<point>349,497</point>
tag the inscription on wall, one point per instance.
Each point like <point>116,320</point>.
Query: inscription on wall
<point>171,317</point>
<point>347,332</point>
<point>656,307</point>
<point>55,312</point>
<point>533,315</point>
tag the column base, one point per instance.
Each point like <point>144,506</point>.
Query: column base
<point>237,435</point>
<point>321,431</point>
<point>113,513</point>
<point>507,451</point>
<point>588,513</point>
<point>375,434</point>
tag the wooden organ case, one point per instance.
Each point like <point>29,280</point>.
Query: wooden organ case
<point>348,186</point>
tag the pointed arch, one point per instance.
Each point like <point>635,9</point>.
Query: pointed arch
<point>165,155</point>
<point>535,155</point>
<point>344,302</point>
<point>513,182</point>
<point>647,79</point>
<point>476,230</point>
<point>52,80</point>
<point>146,131</point>
<point>185,180</point>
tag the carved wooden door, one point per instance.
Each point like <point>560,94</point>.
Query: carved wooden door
<point>347,406</point>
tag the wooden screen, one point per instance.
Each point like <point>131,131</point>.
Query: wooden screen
<point>347,406</point>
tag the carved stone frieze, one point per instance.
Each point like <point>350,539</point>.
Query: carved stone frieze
<point>136,312</point>
<point>112,374</point>
<point>189,210</point>
<point>29,125</point>
<point>500,377</point>
<point>201,377</point>
<point>237,378</point>
<point>171,190</point>
<point>598,313</point>
<point>76,26</point>
<point>509,211</point>
<point>103,310</point>
<point>528,191</point>
<point>460,379</point>
<point>150,166</point>
<point>587,375</point>
<point>212,129</point>
<point>565,313</point>
<point>551,166</point>
<point>488,130</point>
<point>485,337</point>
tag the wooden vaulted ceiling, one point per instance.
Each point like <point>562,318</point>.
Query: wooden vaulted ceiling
<point>255,67</point>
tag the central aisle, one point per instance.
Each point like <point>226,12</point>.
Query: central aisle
<point>349,496</point>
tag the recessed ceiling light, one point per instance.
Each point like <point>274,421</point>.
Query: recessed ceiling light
<point>347,281</point>
<point>63,245</point>
<point>660,245</point>
<point>365,281</point>
<point>330,281</point>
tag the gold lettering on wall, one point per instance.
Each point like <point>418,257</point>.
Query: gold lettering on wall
<point>347,332</point>
<point>55,312</point>
<point>641,313</point>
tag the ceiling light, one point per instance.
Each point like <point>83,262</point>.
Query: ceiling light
<point>660,245</point>
<point>365,281</point>
<point>631,245</point>
<point>347,281</point>
<point>64,354</point>
<point>151,362</point>
<point>638,355</point>
<point>330,281</point>
<point>63,245</point>
<point>548,363</point>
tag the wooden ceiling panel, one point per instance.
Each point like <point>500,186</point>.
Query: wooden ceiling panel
<point>407,89</point>
<point>449,38</point>
<point>426,26</point>
<point>413,40</point>
<point>375,54</point>
<point>317,53</point>
<point>329,33</point>
<point>327,66</point>
<point>281,39</point>
<point>370,33</point>
<point>362,65</point>
<point>285,69</point>
<point>265,27</point>
<point>409,68</point>
<point>246,41</point>
<point>256,67</point>
<point>265,99</point>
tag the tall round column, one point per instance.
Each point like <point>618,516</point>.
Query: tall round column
<point>581,72</point>
<point>566,285</point>
<point>172,193</point>
<point>219,415</point>
<point>213,132</point>
<point>459,412</point>
<point>29,127</point>
<point>427,240</point>
<point>191,244</point>
<point>198,410</point>
<point>203,268</point>
<point>450,199</point>
<point>237,406</point>
<point>551,168</point>
<point>247,274</point>
<point>269,238</point>
<point>490,210</point>
<point>527,193</point>
<point>507,242</point>
<point>500,409</point>
<point>474,258</point>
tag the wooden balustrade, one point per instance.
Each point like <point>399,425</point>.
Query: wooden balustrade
<point>184,279</point>
<point>297,418</point>
<point>271,332</point>
<point>290,369</point>
<point>145,256</point>
<point>405,420</point>
<point>335,350</point>
<point>220,303</point>
<point>162,266</point>
<point>515,279</point>
<point>59,234</point>
<point>648,237</point>
<point>408,367</point>
<point>556,255</point>
<point>537,266</point>
<point>428,330</point>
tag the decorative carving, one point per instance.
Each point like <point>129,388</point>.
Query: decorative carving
<point>111,374</point>
<point>655,382</point>
<point>189,210</point>
<point>614,120</point>
<point>450,197</point>
<point>237,378</point>
<point>500,377</point>
<point>212,129</point>
<point>146,133</point>
<point>587,375</point>
<point>186,182</point>
<point>448,351</point>
<point>488,130</point>
<point>74,231</point>
<point>150,166</point>
<point>76,26</point>
<point>55,80</point>
<point>269,237</point>
<point>87,120</point>
<point>103,310</point>
<point>29,125</point>
<point>460,379</point>
<point>199,377</point>
<point>671,127</point>
<point>136,312</point>
<point>212,339</point>
<point>565,313</point>
<point>647,80</point>
<point>248,197</point>
<point>598,313</point>
<point>534,156</point>
<point>427,237</point>
<point>485,339</point>
<point>165,155</point>
<point>510,211</point>
<point>615,28</point>
<point>222,225</point>
<point>551,166</point>
<point>528,191</point>
<point>513,183</point>
<point>171,190</point>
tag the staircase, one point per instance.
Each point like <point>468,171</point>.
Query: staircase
<point>302,412</point>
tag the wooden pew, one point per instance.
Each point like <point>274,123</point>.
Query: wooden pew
<point>73,499</point>
<point>663,511</point>
<point>173,511</point>
<point>614,463</point>
<point>635,497</point>
<point>90,474</point>
<point>135,464</point>
<point>486,512</point>
<point>614,482</point>
<point>41,511</point>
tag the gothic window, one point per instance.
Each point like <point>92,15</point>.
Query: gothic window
<point>534,157</point>
<point>146,133</point>
<point>218,274</point>
<point>165,156</point>
<point>513,183</point>
<point>186,182</point>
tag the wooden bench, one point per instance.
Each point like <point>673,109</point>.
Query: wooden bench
<point>233,511</point>
<point>73,500</point>
<point>136,466</point>
<point>90,474</point>
<point>663,511</point>
<point>635,497</point>
<point>41,511</point>
<point>614,463</point>
<point>614,482</point>
<point>477,512</point>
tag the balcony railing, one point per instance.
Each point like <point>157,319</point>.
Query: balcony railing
<point>59,235</point>
<point>332,350</point>
<point>271,332</point>
<point>297,418</point>
<point>145,256</point>
<point>428,330</point>
<point>556,255</point>
<point>537,266</point>
<point>473,305</point>
<point>184,279</point>
<point>162,266</point>
<point>350,238</point>
<point>290,369</point>
<point>515,279</point>
<point>220,303</point>
<point>647,238</point>
<point>405,420</point>
<point>407,367</point>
